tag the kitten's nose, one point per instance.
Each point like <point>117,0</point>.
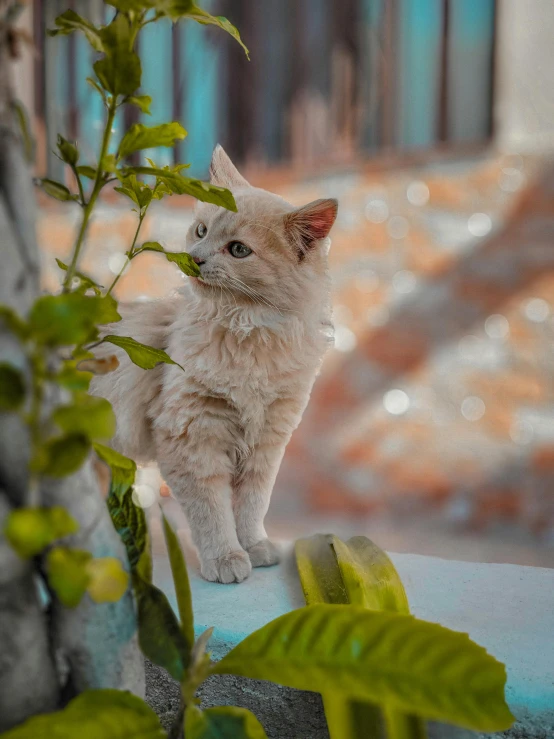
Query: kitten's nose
<point>198,260</point>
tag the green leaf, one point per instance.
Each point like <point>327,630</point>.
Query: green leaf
<point>13,322</point>
<point>130,523</point>
<point>94,84</point>
<point>67,574</point>
<point>70,318</point>
<point>55,189</point>
<point>137,191</point>
<point>122,468</point>
<point>183,260</point>
<point>108,580</point>
<point>86,171</point>
<point>27,138</point>
<point>222,722</point>
<point>73,379</point>
<point>356,572</point>
<point>381,657</point>
<point>201,16</point>
<point>144,137</point>
<point>87,415</point>
<point>119,71</point>
<point>68,151</point>
<point>12,388</point>
<point>180,582</point>
<point>181,185</point>
<point>86,282</point>
<point>140,354</point>
<point>160,636</point>
<point>71,21</point>
<point>141,101</point>
<point>62,455</point>
<point>126,5</point>
<point>94,714</point>
<point>30,530</point>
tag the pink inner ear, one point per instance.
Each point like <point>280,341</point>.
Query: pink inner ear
<point>316,219</point>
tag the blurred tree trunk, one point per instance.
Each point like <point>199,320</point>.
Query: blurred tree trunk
<point>44,651</point>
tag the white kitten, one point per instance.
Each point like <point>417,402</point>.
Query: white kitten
<point>250,335</point>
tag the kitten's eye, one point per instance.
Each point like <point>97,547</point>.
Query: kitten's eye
<point>201,230</point>
<point>238,250</point>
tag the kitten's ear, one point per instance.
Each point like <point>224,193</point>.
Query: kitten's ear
<point>223,172</point>
<point>307,225</point>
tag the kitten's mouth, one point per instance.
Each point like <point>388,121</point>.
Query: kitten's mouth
<point>200,281</point>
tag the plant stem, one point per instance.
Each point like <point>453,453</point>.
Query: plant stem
<point>79,185</point>
<point>130,254</point>
<point>98,184</point>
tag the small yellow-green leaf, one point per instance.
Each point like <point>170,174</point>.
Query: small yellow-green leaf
<point>122,469</point>
<point>201,16</point>
<point>94,714</point>
<point>64,319</point>
<point>12,388</point>
<point>380,657</point>
<point>87,415</point>
<point>30,530</point>
<point>55,189</point>
<point>108,580</point>
<point>222,722</point>
<point>13,322</point>
<point>86,171</point>
<point>142,355</point>
<point>72,378</point>
<point>29,143</point>
<point>183,260</point>
<point>146,137</point>
<point>141,101</point>
<point>180,582</point>
<point>67,572</point>
<point>86,283</point>
<point>70,21</point>
<point>62,455</point>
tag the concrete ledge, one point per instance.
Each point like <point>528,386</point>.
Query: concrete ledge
<point>506,608</point>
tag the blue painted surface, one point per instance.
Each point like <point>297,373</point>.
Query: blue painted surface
<point>89,104</point>
<point>508,609</point>
<point>469,68</point>
<point>157,81</point>
<point>419,47</point>
<point>200,70</point>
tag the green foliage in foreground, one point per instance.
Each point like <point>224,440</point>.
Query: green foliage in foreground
<point>357,643</point>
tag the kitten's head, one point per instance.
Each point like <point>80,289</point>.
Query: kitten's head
<point>268,252</point>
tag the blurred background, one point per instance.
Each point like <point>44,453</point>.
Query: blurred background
<point>431,427</point>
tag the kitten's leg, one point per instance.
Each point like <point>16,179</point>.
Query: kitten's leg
<point>253,487</point>
<point>199,473</point>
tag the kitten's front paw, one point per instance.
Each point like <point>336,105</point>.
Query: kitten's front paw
<point>264,554</point>
<point>232,567</point>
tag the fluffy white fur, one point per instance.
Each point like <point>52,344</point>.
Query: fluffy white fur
<point>250,336</point>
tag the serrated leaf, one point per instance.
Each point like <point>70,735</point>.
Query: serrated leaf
<point>12,388</point>
<point>141,101</point>
<point>67,572</point>
<point>180,582</point>
<point>68,151</point>
<point>119,71</point>
<point>86,171</point>
<point>381,657</point>
<point>140,354</point>
<point>183,260</point>
<point>71,21</point>
<point>94,714</point>
<point>87,415</point>
<point>86,282</point>
<point>13,322</point>
<point>222,722</point>
<point>55,189</point>
<point>130,523</point>
<point>62,455</point>
<point>146,137</point>
<point>30,530</point>
<point>160,636</point>
<point>123,469</point>
<point>108,580</point>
